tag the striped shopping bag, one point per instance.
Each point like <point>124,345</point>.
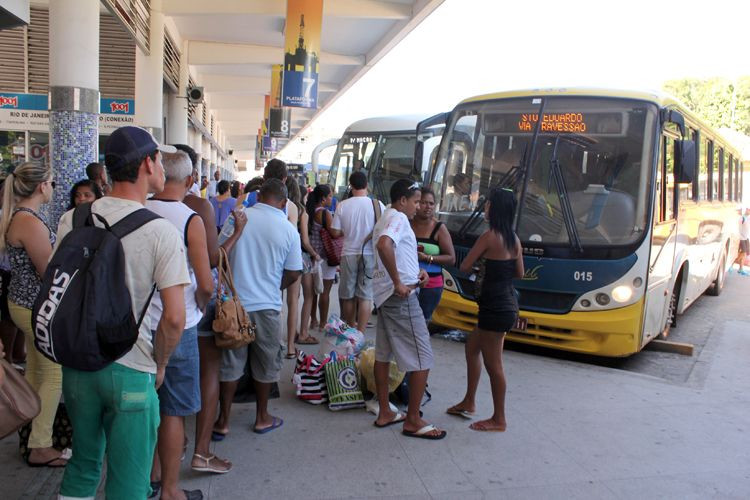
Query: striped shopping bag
<point>342,380</point>
<point>310,379</point>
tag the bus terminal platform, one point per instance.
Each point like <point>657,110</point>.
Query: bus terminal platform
<point>575,430</point>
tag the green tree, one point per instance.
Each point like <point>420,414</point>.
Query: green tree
<point>719,101</point>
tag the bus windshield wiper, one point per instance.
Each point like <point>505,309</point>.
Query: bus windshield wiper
<point>508,180</point>
<point>562,194</point>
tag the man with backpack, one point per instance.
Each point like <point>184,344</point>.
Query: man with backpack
<point>114,408</point>
<point>354,220</point>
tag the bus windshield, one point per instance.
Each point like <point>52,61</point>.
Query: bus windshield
<point>385,158</point>
<point>600,148</point>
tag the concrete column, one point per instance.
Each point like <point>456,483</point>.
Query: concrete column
<point>149,77</point>
<point>73,95</point>
<point>178,105</point>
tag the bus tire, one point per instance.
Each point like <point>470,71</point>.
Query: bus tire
<point>671,321</point>
<point>718,285</point>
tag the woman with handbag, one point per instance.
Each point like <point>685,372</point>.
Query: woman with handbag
<point>28,241</point>
<point>309,256</point>
<point>320,220</point>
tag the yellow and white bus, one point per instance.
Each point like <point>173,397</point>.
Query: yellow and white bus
<point>627,211</point>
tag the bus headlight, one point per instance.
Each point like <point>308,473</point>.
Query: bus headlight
<point>602,299</point>
<point>449,283</point>
<point>622,293</point>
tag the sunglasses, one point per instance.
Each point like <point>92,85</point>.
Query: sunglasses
<point>415,187</point>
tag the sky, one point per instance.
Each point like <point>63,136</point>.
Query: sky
<point>470,47</point>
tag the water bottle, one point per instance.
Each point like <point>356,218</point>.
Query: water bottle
<point>227,229</point>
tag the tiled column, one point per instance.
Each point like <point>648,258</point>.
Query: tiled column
<point>73,96</point>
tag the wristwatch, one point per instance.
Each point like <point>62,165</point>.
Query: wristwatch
<point>430,259</point>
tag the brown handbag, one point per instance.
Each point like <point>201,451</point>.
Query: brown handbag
<point>232,326</point>
<point>19,403</point>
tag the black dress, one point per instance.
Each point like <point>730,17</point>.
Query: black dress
<point>498,306</point>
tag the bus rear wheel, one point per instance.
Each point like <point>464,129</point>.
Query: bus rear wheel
<point>718,284</point>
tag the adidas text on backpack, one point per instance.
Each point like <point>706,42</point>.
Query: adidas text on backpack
<point>83,317</point>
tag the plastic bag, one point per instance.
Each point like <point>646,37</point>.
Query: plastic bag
<point>341,338</point>
<point>366,366</point>
<point>317,272</point>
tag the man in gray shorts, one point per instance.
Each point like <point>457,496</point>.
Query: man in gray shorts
<point>354,220</point>
<point>264,260</point>
<point>402,331</point>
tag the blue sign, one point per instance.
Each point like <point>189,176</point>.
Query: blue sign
<point>117,106</point>
<point>37,102</point>
<point>300,89</point>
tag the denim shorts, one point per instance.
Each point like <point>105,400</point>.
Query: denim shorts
<point>180,394</point>
<point>205,325</point>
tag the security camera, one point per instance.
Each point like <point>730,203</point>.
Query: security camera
<point>195,95</point>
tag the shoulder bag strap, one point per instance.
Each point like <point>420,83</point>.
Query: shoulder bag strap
<point>145,307</point>
<point>81,215</point>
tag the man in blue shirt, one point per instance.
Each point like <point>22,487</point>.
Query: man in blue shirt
<point>265,259</point>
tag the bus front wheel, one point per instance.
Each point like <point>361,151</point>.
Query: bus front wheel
<point>718,284</point>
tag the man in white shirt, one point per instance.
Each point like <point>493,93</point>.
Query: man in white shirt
<point>354,220</point>
<point>402,331</point>
<point>212,186</point>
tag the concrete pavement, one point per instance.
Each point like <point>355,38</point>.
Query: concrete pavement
<point>575,430</point>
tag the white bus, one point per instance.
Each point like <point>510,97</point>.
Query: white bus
<point>384,148</point>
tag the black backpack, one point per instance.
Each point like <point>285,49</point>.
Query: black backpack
<point>83,316</point>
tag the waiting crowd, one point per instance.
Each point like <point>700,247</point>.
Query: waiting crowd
<point>133,410</point>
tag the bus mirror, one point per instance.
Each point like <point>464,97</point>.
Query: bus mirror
<point>686,162</point>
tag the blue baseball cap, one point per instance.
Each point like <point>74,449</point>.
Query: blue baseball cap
<point>129,144</point>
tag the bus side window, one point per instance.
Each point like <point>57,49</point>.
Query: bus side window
<point>703,192</point>
<point>722,179</point>
<point>711,171</point>
<point>728,184</point>
<point>668,195</point>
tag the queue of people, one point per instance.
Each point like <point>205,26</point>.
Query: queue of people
<point>133,411</point>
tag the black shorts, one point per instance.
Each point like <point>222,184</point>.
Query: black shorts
<point>496,321</point>
<point>4,282</point>
<point>745,246</point>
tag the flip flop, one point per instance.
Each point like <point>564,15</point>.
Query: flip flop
<point>397,418</point>
<point>423,433</point>
<point>207,467</point>
<point>193,494</point>
<point>310,340</point>
<point>218,436</point>
<point>479,426</point>
<point>277,422</point>
<point>460,413</point>
<point>155,489</point>
<point>48,463</point>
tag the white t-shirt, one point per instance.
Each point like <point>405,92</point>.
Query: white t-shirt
<point>211,189</point>
<point>395,225</point>
<point>745,227</point>
<point>154,253</point>
<point>355,217</point>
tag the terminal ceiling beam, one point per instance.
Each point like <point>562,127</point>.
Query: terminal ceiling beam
<point>208,53</point>
<point>359,9</point>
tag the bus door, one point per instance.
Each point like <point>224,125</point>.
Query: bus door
<point>663,242</point>
<point>429,134</point>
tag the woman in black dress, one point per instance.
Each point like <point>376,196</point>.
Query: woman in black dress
<point>498,308</point>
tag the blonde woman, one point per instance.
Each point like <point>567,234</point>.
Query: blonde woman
<point>28,241</point>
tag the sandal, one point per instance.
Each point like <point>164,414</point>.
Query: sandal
<point>291,355</point>
<point>207,464</point>
<point>309,340</point>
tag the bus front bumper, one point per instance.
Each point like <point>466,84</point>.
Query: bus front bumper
<point>616,332</point>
